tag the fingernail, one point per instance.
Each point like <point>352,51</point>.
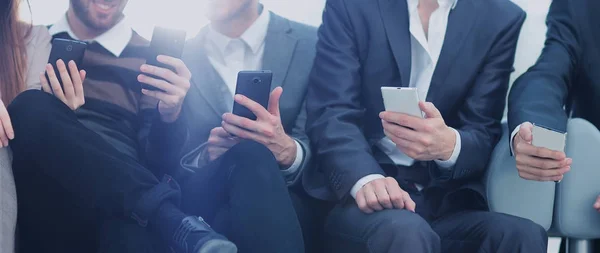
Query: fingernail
<point>144,67</point>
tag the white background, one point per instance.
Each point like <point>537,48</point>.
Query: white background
<point>188,15</point>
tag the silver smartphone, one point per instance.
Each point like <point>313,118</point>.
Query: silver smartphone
<point>402,100</point>
<point>551,139</point>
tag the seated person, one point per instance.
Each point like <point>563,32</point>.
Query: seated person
<point>404,183</point>
<point>244,35</point>
<point>92,171</point>
<point>24,49</point>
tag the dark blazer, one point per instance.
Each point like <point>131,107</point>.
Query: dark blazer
<point>289,54</point>
<point>567,74</point>
<point>364,45</point>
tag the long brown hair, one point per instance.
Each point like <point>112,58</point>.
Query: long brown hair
<point>13,59</point>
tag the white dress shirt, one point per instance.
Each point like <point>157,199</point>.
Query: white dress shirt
<point>425,52</point>
<point>231,55</point>
<point>114,40</point>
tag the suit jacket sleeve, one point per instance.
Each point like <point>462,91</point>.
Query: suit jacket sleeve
<point>480,116</point>
<point>335,113</point>
<point>299,134</point>
<point>539,96</point>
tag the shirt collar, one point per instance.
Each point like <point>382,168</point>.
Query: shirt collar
<point>254,36</point>
<point>413,4</point>
<point>115,40</point>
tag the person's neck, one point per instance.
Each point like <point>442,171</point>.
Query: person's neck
<point>235,27</point>
<point>80,29</point>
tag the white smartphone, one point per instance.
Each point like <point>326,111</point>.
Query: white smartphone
<point>544,137</point>
<point>402,100</point>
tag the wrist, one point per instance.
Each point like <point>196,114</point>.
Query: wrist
<point>289,152</point>
<point>450,144</point>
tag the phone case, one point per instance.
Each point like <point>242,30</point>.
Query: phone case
<point>255,85</point>
<point>547,138</point>
<point>402,100</point>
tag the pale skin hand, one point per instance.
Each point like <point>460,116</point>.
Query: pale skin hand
<point>597,204</point>
<point>173,88</point>
<point>381,194</point>
<point>267,129</point>
<point>6,130</point>
<point>421,139</point>
<point>539,164</point>
<point>219,142</point>
<point>72,79</point>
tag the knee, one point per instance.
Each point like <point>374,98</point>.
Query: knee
<point>517,230</point>
<point>409,231</point>
<point>254,160</point>
<point>29,105</point>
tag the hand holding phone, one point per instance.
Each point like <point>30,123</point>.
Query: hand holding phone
<point>67,51</point>
<point>255,85</point>
<point>539,153</point>
<point>166,42</point>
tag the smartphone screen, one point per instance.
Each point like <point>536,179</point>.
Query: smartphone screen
<point>66,50</point>
<point>167,42</point>
<point>255,85</point>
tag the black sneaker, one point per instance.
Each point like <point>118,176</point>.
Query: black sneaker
<point>195,236</point>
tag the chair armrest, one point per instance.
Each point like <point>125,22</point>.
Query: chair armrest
<point>508,193</point>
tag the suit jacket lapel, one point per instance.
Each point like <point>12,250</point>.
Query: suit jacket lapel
<point>396,22</point>
<point>205,78</point>
<point>279,49</point>
<point>460,24</point>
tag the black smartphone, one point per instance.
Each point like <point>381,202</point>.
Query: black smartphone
<point>66,50</point>
<point>255,85</point>
<point>167,42</point>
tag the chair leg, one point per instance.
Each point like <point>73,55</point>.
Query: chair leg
<point>579,246</point>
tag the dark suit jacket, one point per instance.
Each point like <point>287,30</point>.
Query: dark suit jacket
<point>289,54</point>
<point>566,74</point>
<point>364,45</point>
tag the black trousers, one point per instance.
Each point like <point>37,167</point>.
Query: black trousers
<point>348,230</point>
<point>77,193</point>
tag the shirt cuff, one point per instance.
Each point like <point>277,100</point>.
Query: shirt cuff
<point>512,138</point>
<point>362,182</point>
<point>297,162</point>
<point>454,157</point>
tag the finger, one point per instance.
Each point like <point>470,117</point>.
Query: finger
<point>254,107</point>
<point>54,84</point>
<point>402,132</point>
<point>166,74</point>
<point>402,119</point>
<point>597,203</point>
<point>220,132</point>
<point>222,142</point>
<point>541,163</point>
<point>543,172</point>
<point>66,80</point>
<point>216,152</point>
<point>6,122</point>
<point>361,201</point>
<point>44,81</point>
<point>166,98</point>
<point>3,138</point>
<point>274,101</point>
<point>250,125</point>
<point>525,174</point>
<point>430,110</point>
<point>371,197</point>
<point>382,194</point>
<point>242,133</point>
<point>160,84</point>
<point>525,132</point>
<point>180,68</point>
<point>77,79</point>
<point>395,193</point>
<point>528,149</point>
<point>409,204</point>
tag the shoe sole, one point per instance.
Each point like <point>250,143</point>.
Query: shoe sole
<point>218,246</point>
